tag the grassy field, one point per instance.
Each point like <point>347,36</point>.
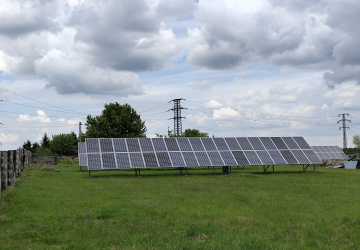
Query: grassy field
<point>60,207</point>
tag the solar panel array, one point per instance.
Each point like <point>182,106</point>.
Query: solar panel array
<point>330,153</point>
<point>82,154</point>
<point>125,153</point>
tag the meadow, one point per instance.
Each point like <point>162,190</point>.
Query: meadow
<point>60,207</point>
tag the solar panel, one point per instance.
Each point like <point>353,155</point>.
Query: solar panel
<point>136,160</point>
<point>267,142</point>
<point>120,145</point>
<point>203,159</point>
<point>290,142</point>
<point>159,144</point>
<point>277,157</point>
<point>253,158</point>
<point>228,158</point>
<point>124,153</point>
<point>177,159</point>
<point>301,142</point>
<point>232,143</point>
<point>196,144</point>
<point>265,158</point>
<point>329,153</point>
<point>106,145</point>
<point>221,144</point>
<point>150,160</point>
<point>108,161</point>
<point>164,159</point>
<point>184,144</point>
<point>240,158</point>
<point>133,145</point>
<point>190,159</point>
<point>171,144</point>
<point>289,157</point>
<point>208,144</point>
<point>146,145</point>
<point>215,158</point>
<point>244,143</point>
<point>122,160</point>
<point>279,143</point>
<point>256,143</point>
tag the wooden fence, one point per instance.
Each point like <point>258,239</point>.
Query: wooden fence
<point>47,157</point>
<point>12,163</point>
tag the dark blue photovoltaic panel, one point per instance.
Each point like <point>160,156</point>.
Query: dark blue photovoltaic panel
<point>301,142</point>
<point>228,158</point>
<point>81,148</point>
<point>190,159</point>
<point>177,159</point>
<point>146,145</point>
<point>232,143</point>
<point>312,156</point>
<point>252,157</point>
<point>133,145</point>
<point>256,143</point>
<point>196,144</point>
<point>268,144</point>
<point>220,144</point>
<point>122,160</point>
<point>120,145</point>
<point>300,156</point>
<point>83,162</point>
<point>289,157</point>
<point>290,142</point>
<point>106,145</point>
<point>150,160</point>
<point>244,143</point>
<point>164,159</point>
<point>240,158</point>
<point>136,160</point>
<point>159,144</point>
<point>215,158</point>
<point>208,144</point>
<point>203,159</point>
<point>277,157</point>
<point>184,144</point>
<point>108,160</point>
<point>94,162</point>
<point>279,143</point>
<point>92,145</point>
<point>172,144</point>
<point>265,158</point>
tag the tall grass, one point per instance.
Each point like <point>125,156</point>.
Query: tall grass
<point>61,207</point>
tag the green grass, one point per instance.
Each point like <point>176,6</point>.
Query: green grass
<point>61,207</point>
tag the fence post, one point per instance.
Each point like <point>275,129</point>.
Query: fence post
<point>4,170</point>
<point>11,173</point>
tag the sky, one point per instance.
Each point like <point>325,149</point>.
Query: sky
<point>244,68</point>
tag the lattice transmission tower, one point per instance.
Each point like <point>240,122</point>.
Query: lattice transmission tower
<point>343,120</point>
<point>177,116</point>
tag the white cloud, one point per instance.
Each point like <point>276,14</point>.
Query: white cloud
<point>213,104</point>
<point>226,113</point>
<point>41,117</point>
<point>4,138</point>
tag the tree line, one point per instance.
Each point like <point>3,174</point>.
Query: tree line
<point>115,121</point>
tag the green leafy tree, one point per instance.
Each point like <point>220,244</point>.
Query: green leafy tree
<point>45,141</point>
<point>115,121</point>
<point>194,133</point>
<point>64,144</point>
<point>27,145</point>
<point>356,141</point>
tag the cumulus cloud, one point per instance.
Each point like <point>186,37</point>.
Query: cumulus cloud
<point>8,137</point>
<point>41,117</point>
<point>213,104</point>
<point>201,86</point>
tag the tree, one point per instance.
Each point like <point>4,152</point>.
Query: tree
<point>64,144</point>
<point>356,141</point>
<point>45,141</point>
<point>115,121</point>
<point>194,133</point>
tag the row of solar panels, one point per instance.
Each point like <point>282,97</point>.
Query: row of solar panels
<point>122,153</point>
<point>330,153</point>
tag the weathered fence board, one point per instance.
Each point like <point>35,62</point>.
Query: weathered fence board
<point>12,163</point>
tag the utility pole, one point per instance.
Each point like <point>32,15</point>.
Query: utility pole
<point>80,131</point>
<point>343,120</point>
<point>177,116</point>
